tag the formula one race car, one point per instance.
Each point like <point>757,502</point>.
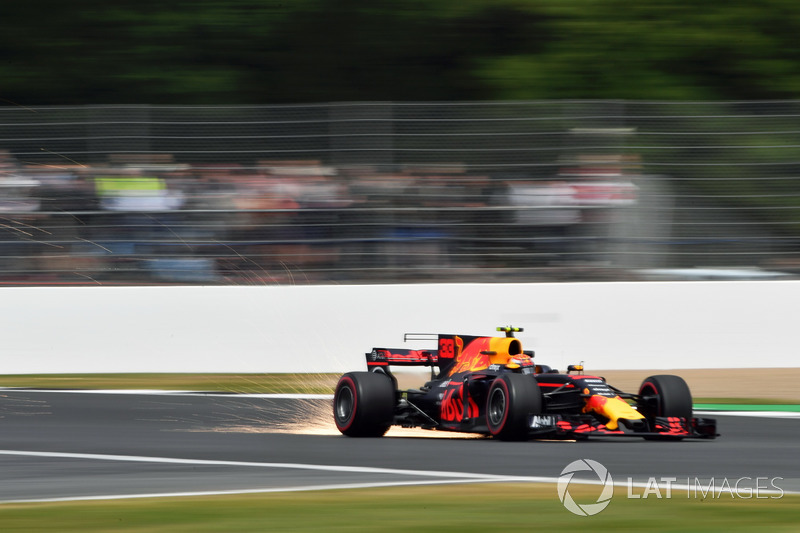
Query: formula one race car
<point>490,385</point>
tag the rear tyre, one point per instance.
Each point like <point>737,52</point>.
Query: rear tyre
<point>511,398</point>
<point>363,404</point>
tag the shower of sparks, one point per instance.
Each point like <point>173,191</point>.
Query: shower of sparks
<point>300,417</point>
<point>18,223</point>
<point>95,244</point>
<point>16,229</point>
<point>90,278</point>
<point>65,157</point>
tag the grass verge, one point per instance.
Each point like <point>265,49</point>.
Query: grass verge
<point>234,383</point>
<point>461,508</point>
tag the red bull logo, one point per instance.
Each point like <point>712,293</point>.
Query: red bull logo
<point>453,405</point>
<point>473,357</point>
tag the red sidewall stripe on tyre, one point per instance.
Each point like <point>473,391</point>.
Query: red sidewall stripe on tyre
<point>505,412</point>
<point>352,386</point>
<point>648,385</point>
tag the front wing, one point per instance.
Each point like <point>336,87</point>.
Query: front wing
<point>581,426</point>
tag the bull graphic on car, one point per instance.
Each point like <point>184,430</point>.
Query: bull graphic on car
<point>491,386</point>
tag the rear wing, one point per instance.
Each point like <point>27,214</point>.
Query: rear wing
<point>382,357</point>
<point>455,353</point>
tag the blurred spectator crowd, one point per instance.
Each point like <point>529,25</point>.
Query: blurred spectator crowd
<point>153,220</point>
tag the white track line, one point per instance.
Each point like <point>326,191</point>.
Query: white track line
<point>441,477</point>
<point>293,466</point>
<point>308,488</point>
<point>757,414</point>
<point>301,396</point>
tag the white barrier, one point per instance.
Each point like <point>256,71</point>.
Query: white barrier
<point>329,328</point>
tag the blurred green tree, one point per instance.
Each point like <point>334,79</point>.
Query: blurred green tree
<point>255,51</point>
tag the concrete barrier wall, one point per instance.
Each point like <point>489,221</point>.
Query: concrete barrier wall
<point>328,328</point>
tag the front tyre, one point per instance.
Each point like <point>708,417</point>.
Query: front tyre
<point>511,398</point>
<point>363,404</point>
<point>665,395</point>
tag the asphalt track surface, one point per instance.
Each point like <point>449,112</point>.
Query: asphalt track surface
<point>71,445</point>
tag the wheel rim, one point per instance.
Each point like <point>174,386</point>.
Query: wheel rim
<point>344,404</point>
<point>651,400</point>
<point>497,406</point>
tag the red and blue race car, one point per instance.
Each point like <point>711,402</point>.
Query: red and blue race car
<point>491,386</point>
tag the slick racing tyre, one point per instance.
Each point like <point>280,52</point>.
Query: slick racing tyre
<point>363,405</point>
<point>511,398</point>
<point>665,395</point>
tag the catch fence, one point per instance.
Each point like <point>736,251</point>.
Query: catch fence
<point>399,192</point>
